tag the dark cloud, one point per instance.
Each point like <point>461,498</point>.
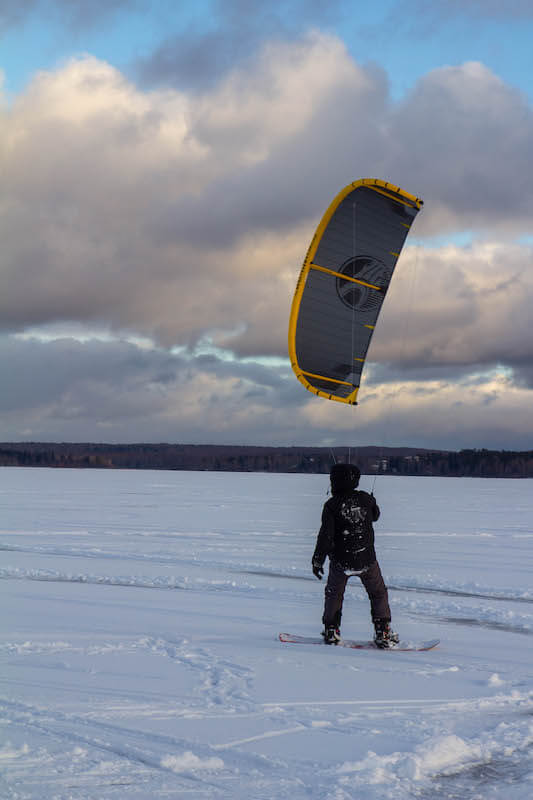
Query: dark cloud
<point>13,12</point>
<point>522,371</point>
<point>467,129</point>
<point>377,373</point>
<point>117,391</point>
<point>79,14</point>
<point>67,390</point>
<point>420,18</point>
<point>84,13</point>
<point>198,57</point>
<point>478,10</point>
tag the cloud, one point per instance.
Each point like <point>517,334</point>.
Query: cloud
<point>117,391</point>
<point>419,18</point>
<point>13,12</point>
<point>181,216</point>
<point>197,57</point>
<point>112,391</point>
<point>471,137</point>
<point>75,15</point>
<point>151,212</point>
<point>86,13</point>
<point>449,414</point>
<point>458,306</point>
<point>478,10</point>
<point>171,214</point>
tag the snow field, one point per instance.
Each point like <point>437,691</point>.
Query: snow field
<point>139,654</point>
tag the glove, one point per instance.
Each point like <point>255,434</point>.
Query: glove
<point>318,570</point>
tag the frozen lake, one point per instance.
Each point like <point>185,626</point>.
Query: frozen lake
<point>139,654</point>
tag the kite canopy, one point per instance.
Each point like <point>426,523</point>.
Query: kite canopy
<point>343,283</point>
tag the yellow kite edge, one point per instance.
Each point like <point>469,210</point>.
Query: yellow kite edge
<point>383,187</point>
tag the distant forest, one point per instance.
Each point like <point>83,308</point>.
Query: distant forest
<point>234,458</point>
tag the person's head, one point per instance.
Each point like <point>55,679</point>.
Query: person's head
<point>344,478</point>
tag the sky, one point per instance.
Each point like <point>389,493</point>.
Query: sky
<point>163,167</point>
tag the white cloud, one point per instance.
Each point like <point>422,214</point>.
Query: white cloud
<point>458,306</point>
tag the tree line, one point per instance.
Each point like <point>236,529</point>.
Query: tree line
<point>235,458</point>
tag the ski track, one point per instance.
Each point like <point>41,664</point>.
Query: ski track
<point>148,753</point>
<point>258,569</point>
<point>102,713</point>
<point>451,611</point>
<point>166,764</point>
<point>223,683</point>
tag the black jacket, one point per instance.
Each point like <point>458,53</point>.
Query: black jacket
<point>346,534</point>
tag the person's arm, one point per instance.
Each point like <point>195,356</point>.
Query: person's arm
<point>324,542</point>
<point>375,509</point>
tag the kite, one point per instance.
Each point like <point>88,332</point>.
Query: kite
<point>343,283</point>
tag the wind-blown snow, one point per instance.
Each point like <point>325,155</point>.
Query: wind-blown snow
<point>139,654</point>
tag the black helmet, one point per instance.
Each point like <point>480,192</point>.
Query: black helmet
<point>344,478</point>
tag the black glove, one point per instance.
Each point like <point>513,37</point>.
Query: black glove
<point>318,570</point>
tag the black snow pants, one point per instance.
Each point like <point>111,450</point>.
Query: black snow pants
<point>372,580</point>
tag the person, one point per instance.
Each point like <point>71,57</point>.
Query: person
<point>346,536</point>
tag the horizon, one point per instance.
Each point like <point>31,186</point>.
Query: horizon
<point>332,448</point>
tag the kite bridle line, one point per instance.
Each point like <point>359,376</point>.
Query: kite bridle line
<point>354,254</point>
<point>403,348</point>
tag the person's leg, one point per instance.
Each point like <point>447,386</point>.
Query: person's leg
<point>333,596</point>
<point>377,593</point>
<point>375,587</point>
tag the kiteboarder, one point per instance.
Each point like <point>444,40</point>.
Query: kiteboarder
<point>346,536</point>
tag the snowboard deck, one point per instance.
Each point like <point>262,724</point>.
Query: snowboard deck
<point>358,645</point>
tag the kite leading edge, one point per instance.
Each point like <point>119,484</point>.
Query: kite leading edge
<point>343,282</point>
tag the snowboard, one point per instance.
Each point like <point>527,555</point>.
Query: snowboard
<point>358,645</point>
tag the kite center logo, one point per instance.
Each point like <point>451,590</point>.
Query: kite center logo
<point>355,295</point>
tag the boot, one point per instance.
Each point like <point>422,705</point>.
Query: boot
<point>384,636</point>
<point>331,634</point>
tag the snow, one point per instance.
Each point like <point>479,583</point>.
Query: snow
<point>139,653</point>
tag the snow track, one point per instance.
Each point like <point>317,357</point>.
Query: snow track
<point>111,691</point>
